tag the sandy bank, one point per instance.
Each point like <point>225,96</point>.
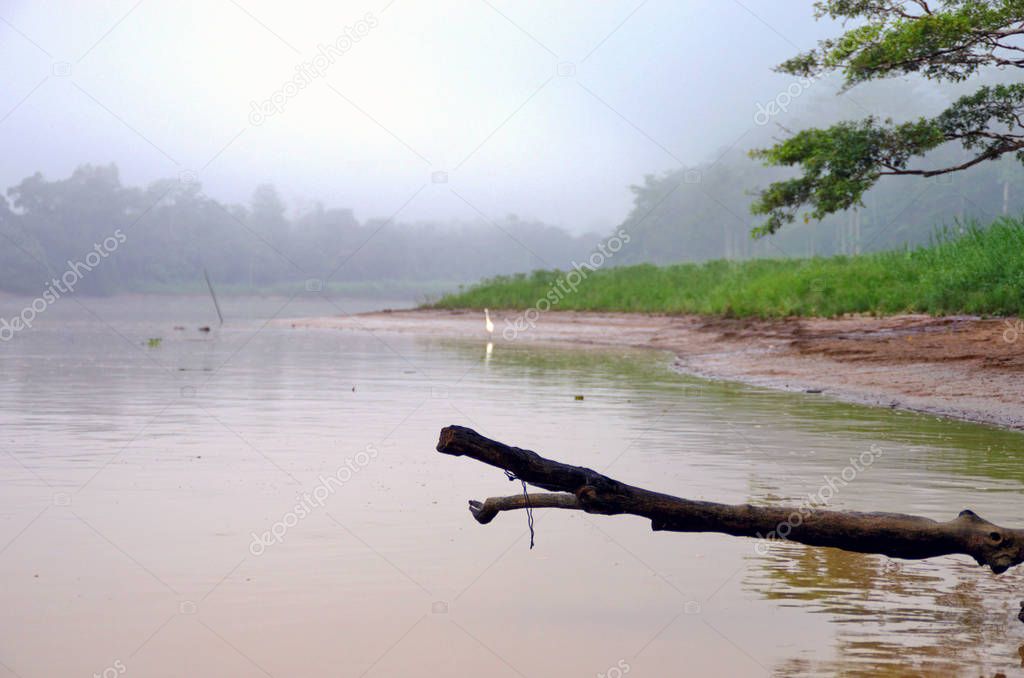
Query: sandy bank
<point>959,367</point>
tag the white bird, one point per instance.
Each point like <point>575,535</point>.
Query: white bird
<point>488,325</point>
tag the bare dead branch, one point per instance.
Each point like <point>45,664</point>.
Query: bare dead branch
<point>892,534</point>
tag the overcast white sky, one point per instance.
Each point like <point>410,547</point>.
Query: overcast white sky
<point>468,87</point>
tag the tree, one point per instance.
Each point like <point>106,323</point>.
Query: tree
<point>61,221</point>
<point>942,40</point>
<point>175,230</point>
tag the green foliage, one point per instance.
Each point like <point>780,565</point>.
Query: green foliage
<point>980,271</point>
<point>952,40</point>
<point>839,165</point>
<point>942,39</point>
<point>674,221</point>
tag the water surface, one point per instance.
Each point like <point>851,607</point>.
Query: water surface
<point>134,479</point>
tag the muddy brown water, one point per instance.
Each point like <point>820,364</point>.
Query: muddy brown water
<point>261,500</point>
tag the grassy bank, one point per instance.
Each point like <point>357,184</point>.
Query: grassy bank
<point>979,272</point>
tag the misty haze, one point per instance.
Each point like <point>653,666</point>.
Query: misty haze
<point>284,285</point>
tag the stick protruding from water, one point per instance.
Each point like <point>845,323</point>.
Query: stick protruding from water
<point>213,294</point>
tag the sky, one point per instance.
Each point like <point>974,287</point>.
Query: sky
<point>413,110</point>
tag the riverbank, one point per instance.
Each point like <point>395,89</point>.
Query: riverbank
<point>960,367</point>
<point>975,271</point>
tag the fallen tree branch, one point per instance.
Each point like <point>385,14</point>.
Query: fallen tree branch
<point>892,534</point>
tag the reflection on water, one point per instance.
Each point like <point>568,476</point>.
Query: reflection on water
<point>893,618</point>
<point>136,479</point>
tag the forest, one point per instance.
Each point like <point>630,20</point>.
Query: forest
<point>174,231</point>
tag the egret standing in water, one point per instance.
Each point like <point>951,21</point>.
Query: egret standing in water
<point>489,326</point>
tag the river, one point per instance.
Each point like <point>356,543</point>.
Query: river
<point>262,500</point>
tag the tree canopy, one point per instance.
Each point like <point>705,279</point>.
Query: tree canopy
<point>943,40</point>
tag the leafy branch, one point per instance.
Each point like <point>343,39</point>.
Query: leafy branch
<point>948,40</point>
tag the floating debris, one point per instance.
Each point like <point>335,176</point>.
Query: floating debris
<point>204,328</point>
<point>154,342</point>
<point>579,397</point>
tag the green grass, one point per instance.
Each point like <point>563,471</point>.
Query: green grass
<point>980,271</point>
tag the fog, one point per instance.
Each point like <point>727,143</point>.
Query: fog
<point>478,114</point>
<point>470,88</point>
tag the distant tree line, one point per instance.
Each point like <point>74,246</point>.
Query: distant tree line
<point>173,231</point>
<point>703,211</point>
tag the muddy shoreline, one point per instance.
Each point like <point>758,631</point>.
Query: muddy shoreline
<point>959,367</point>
